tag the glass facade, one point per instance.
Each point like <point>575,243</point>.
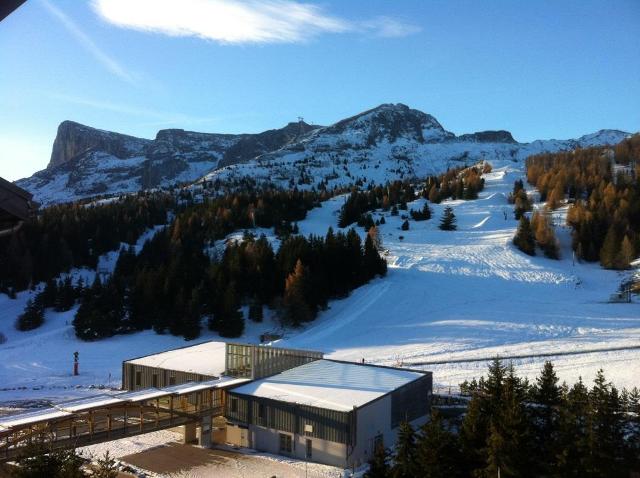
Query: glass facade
<point>238,360</point>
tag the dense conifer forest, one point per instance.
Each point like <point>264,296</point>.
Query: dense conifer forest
<point>75,235</point>
<point>184,273</point>
<point>513,428</point>
<point>603,187</point>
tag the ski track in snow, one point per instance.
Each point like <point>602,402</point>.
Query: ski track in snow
<point>448,295</point>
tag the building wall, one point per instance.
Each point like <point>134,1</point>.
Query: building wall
<point>382,417</point>
<point>331,425</point>
<point>163,377</point>
<point>322,451</point>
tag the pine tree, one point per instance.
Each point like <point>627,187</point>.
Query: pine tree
<point>547,397</point>
<point>296,307</point>
<point>404,459</point>
<point>379,464</point>
<point>230,319</point>
<point>609,251</point>
<point>438,452</point>
<point>627,253</point>
<point>448,220</point>
<point>524,239</point>
<point>573,449</point>
<point>255,312</point>
<point>373,263</point>
<point>606,431</point>
<point>434,195</point>
<point>32,317</point>
<point>544,235</point>
<point>405,225</point>
<point>106,467</point>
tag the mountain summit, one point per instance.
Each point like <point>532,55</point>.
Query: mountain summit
<point>390,141</point>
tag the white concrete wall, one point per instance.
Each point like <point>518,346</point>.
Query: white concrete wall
<point>323,451</point>
<point>372,420</point>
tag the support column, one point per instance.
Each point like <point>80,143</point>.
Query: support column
<point>205,431</point>
<point>189,435</point>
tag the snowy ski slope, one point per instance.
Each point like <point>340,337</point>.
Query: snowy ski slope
<point>448,296</point>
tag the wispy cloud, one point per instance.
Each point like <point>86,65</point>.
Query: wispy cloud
<point>388,27</point>
<point>237,22</point>
<point>87,43</point>
<point>152,117</point>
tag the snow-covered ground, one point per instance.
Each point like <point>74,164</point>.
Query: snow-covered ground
<point>448,295</point>
<point>472,294</point>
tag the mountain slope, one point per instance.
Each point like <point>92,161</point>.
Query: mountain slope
<point>391,141</point>
<point>87,161</point>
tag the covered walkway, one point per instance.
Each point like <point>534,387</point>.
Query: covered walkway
<point>106,417</point>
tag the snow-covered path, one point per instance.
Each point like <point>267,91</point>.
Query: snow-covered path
<point>471,294</point>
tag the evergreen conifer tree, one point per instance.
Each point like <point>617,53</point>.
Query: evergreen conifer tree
<point>438,452</point>
<point>32,317</point>
<point>296,307</point>
<point>524,239</point>
<point>230,320</point>
<point>404,458</point>
<point>448,220</point>
<point>379,464</point>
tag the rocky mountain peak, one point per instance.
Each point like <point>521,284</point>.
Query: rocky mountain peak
<point>391,121</point>
<point>74,139</point>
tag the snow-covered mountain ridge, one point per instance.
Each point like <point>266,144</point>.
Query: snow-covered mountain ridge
<point>388,142</point>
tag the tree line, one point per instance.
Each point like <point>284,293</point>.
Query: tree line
<point>174,283</point>
<point>603,187</point>
<point>75,235</point>
<point>513,428</point>
<point>455,183</point>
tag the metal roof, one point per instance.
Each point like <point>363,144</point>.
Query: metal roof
<point>329,384</point>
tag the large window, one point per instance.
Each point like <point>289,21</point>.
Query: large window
<point>138,378</point>
<point>239,360</point>
<point>285,443</point>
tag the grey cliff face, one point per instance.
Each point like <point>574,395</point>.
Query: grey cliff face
<point>74,139</point>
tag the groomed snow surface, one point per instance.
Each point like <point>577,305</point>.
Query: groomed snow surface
<point>470,294</point>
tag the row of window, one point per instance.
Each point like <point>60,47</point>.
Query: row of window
<point>154,379</point>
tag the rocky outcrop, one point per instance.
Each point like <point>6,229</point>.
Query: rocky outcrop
<point>253,145</point>
<point>75,139</point>
<point>500,136</point>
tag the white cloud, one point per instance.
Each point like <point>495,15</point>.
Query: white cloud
<point>234,21</point>
<point>109,63</point>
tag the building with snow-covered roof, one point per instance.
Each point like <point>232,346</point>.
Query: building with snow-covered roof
<point>327,411</point>
<point>285,401</point>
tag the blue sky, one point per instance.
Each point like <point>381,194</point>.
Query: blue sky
<point>541,69</point>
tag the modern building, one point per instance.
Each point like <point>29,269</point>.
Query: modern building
<point>289,402</point>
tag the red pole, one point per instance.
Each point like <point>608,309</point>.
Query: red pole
<point>75,368</point>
